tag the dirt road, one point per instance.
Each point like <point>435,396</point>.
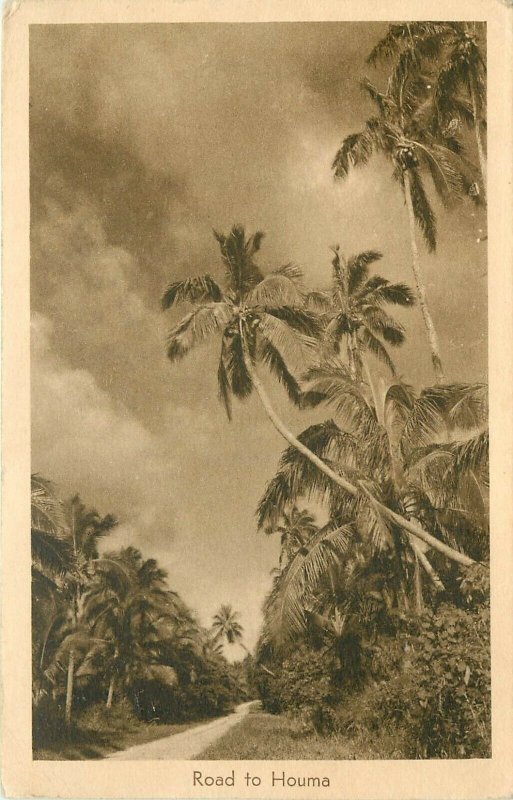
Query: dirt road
<point>187,744</point>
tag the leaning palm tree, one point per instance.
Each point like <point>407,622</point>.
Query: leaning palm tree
<point>353,310</point>
<point>415,454</point>
<point>261,318</point>
<point>412,150</point>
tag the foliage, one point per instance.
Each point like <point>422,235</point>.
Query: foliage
<point>259,317</point>
<point>307,683</point>
<point>403,446</point>
<point>112,623</point>
<point>436,690</point>
<point>353,310</point>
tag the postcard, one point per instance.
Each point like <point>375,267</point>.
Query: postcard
<point>257,391</point>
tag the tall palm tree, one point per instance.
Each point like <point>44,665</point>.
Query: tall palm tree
<point>296,527</point>
<point>412,150</point>
<point>261,318</point>
<point>353,310</point>
<point>460,82</point>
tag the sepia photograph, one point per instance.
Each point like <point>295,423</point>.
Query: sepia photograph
<point>257,379</point>
<point>259,465</point>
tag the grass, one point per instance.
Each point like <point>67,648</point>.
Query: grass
<point>262,736</point>
<point>93,738</point>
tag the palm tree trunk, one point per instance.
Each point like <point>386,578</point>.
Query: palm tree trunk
<point>356,369</point>
<point>69,688</point>
<point>403,523</point>
<point>419,600</point>
<point>402,594</point>
<point>111,692</point>
<point>477,130</point>
<point>432,574</point>
<point>421,291</point>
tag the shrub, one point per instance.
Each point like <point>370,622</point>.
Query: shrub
<point>451,662</point>
<point>305,684</point>
<point>431,689</point>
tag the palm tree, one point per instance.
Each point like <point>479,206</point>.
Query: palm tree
<point>130,613</point>
<point>296,528</point>
<point>406,452</point>
<point>456,45</point>
<point>86,528</point>
<point>261,318</point>
<point>49,534</point>
<point>412,150</point>
<point>353,309</point>
<point>50,563</point>
<point>226,625</point>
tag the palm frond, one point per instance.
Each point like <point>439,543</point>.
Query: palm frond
<point>276,363</point>
<point>378,98</point>
<point>382,324</point>
<point>374,346</point>
<point>358,268</point>
<point>223,381</point>
<point>371,524</point>
<point>297,476</point>
<point>237,254</point>
<point>195,327</point>
<point>282,287</point>
<point>296,349</point>
<point>355,151</point>
<point>276,498</point>
<point>193,290</point>
<point>235,368</point>
<point>382,291</point>
<point>472,454</point>
<point>454,406</point>
<point>331,383</point>
<point>285,613</point>
<point>319,301</point>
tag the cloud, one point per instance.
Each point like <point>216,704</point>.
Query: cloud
<point>87,442</point>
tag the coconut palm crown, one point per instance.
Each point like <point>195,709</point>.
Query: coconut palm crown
<point>353,310</point>
<point>259,317</point>
<point>296,528</point>
<point>460,82</point>
<point>226,625</point>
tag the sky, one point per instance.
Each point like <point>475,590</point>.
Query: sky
<point>143,139</point>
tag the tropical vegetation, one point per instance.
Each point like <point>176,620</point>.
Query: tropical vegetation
<point>375,630</point>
